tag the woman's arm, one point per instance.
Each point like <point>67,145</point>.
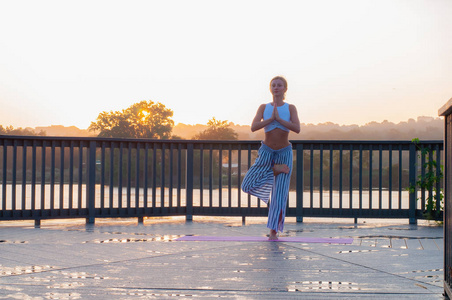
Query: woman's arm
<point>258,123</point>
<point>294,123</point>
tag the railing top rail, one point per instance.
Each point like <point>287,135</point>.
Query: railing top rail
<point>135,140</point>
<point>10,140</point>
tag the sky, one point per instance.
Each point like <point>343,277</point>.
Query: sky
<point>346,62</point>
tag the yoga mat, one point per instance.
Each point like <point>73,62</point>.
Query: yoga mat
<point>294,239</point>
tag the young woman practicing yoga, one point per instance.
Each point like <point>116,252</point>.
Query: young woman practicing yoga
<point>270,173</point>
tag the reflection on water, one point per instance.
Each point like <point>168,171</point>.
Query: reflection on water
<point>147,294</point>
<point>303,257</point>
<point>157,238</point>
<point>63,296</point>
<point>299,286</point>
<point>13,242</point>
<point>357,251</point>
<point>20,270</point>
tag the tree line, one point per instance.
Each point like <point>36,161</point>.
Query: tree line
<point>153,120</point>
<point>10,130</point>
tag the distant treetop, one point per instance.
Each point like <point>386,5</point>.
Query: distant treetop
<point>145,119</point>
<point>217,130</point>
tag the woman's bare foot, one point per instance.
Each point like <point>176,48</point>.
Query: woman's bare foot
<point>278,169</point>
<point>273,235</point>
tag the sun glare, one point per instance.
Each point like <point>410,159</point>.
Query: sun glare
<point>144,114</point>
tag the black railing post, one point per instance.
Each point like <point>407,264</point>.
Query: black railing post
<point>412,184</point>
<point>91,182</point>
<point>189,183</point>
<point>446,111</point>
<point>300,171</point>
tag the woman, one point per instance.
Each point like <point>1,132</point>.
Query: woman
<point>270,173</point>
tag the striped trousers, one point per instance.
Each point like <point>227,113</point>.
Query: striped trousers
<point>260,181</point>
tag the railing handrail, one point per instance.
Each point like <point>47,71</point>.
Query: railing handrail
<point>77,138</point>
<point>223,142</point>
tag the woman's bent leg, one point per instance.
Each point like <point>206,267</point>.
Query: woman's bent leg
<point>258,180</point>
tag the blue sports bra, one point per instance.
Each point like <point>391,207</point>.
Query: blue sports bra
<point>283,112</point>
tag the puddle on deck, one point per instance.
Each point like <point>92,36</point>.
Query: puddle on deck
<point>20,270</point>
<point>13,242</point>
<point>156,238</point>
<point>299,286</point>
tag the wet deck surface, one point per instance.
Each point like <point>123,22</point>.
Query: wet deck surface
<point>120,259</point>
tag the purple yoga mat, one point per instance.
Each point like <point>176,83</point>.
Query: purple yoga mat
<point>294,239</point>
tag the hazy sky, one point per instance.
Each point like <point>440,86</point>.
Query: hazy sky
<point>347,62</point>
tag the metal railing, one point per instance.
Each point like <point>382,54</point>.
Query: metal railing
<point>56,177</point>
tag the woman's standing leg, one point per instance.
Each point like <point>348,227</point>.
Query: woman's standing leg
<point>280,194</point>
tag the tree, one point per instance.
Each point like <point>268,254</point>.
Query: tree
<point>145,119</point>
<point>217,130</point>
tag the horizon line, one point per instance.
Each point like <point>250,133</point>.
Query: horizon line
<point>237,124</point>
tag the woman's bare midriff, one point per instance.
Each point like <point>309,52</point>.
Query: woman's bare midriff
<point>277,139</point>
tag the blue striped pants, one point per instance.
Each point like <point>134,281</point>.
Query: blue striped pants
<point>259,181</point>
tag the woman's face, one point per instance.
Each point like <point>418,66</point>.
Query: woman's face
<point>277,87</point>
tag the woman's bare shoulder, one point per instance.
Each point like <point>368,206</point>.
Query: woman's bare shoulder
<point>262,107</point>
<point>292,106</point>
